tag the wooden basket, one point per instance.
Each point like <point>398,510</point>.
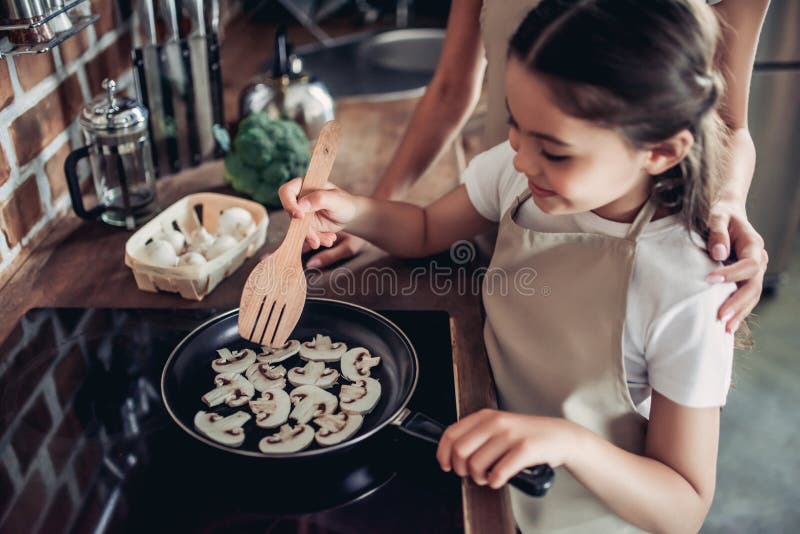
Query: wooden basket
<point>194,282</point>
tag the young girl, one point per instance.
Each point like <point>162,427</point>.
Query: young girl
<point>616,376</point>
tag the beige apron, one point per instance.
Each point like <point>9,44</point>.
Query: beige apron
<point>554,340</point>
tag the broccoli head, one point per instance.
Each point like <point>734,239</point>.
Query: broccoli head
<point>254,147</point>
<point>268,153</point>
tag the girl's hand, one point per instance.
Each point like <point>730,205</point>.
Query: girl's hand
<point>729,225</point>
<point>492,446</point>
<point>331,207</point>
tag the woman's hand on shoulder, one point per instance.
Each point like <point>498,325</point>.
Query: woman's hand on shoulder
<point>731,230</point>
<point>492,446</point>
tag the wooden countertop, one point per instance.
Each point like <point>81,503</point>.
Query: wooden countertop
<point>80,264</point>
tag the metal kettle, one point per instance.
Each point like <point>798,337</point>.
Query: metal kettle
<point>287,92</point>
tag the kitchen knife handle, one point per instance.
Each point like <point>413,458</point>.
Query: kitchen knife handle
<point>534,481</point>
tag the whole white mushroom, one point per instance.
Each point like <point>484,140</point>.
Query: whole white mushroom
<point>236,222</point>
<point>220,246</point>
<point>161,253</point>
<point>199,240</point>
<point>174,237</point>
<point>192,258</point>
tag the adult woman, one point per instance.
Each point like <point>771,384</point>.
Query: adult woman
<point>477,37</point>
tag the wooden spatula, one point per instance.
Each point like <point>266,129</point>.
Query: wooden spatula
<point>275,292</point>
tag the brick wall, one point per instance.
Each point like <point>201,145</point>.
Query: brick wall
<point>51,448</point>
<point>40,98</point>
<point>79,410</point>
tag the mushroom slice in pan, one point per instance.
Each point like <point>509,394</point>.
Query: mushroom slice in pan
<point>232,389</point>
<point>278,354</point>
<point>225,430</point>
<point>360,397</point>
<point>272,408</point>
<point>287,439</point>
<point>335,428</point>
<point>310,402</point>
<point>357,362</point>
<point>322,349</point>
<point>263,377</point>
<point>233,361</point>
<point>314,374</point>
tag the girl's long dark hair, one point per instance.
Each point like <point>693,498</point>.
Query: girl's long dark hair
<point>644,68</point>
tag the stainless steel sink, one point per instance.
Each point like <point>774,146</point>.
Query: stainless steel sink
<point>415,50</point>
<point>376,66</point>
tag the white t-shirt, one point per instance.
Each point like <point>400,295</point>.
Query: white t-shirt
<point>672,340</point>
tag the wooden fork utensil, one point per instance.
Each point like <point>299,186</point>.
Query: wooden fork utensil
<point>275,292</point>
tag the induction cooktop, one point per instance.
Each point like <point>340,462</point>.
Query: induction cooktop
<point>87,445</point>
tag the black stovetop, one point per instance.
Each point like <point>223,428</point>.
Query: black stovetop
<point>88,446</point>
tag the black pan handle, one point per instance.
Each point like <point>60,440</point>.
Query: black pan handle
<point>74,186</point>
<point>535,481</point>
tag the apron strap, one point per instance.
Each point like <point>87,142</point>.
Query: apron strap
<point>642,219</point>
<point>521,198</point>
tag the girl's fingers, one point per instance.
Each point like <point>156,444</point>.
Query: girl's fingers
<point>288,195</point>
<point>485,457</point>
<point>313,239</point>
<point>306,247</point>
<point>320,199</point>
<point>452,434</point>
<point>334,205</point>
<point>327,238</point>
<point>515,460</point>
<point>465,447</point>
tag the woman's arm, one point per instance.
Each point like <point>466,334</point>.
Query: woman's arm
<point>446,104</point>
<point>400,228</point>
<point>441,112</point>
<point>668,489</point>
<point>741,22</point>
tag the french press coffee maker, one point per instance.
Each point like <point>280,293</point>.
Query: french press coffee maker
<point>118,147</point>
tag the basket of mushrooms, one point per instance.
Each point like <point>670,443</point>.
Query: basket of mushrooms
<point>196,243</point>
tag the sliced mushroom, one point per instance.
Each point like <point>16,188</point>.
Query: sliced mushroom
<point>314,374</point>
<point>357,362</point>
<point>278,354</point>
<point>233,362</point>
<point>272,408</point>
<point>225,430</point>
<point>322,349</point>
<point>232,389</point>
<point>287,439</point>
<point>263,377</point>
<point>361,397</point>
<point>335,428</point>
<point>310,402</point>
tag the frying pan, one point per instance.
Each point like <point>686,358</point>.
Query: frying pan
<point>187,376</point>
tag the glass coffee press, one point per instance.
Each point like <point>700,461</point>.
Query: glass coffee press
<point>118,147</point>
